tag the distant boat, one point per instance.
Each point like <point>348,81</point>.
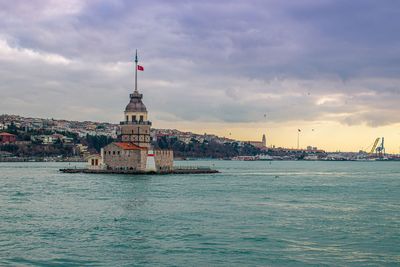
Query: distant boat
<point>264,157</point>
<point>244,158</point>
<point>252,158</point>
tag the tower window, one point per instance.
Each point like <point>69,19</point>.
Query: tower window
<point>127,118</point>
<point>134,118</point>
<point>141,118</point>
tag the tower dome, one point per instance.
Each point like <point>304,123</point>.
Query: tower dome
<point>136,104</point>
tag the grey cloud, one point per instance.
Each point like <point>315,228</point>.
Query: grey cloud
<point>212,60</point>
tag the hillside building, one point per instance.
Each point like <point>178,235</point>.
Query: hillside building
<point>259,144</point>
<point>7,138</point>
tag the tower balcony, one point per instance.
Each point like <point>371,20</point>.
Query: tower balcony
<point>136,95</point>
<point>135,123</point>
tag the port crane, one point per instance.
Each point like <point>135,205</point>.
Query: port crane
<point>374,145</point>
<point>380,150</point>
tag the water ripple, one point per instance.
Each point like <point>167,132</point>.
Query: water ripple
<point>252,214</point>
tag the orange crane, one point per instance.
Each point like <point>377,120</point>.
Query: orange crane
<point>374,146</point>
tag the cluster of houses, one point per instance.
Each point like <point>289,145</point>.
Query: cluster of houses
<point>51,139</point>
<point>187,137</point>
<point>8,138</point>
<point>85,128</point>
<point>80,128</point>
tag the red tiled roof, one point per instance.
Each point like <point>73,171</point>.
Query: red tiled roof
<point>6,134</point>
<point>128,146</point>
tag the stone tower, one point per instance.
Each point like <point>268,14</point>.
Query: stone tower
<point>135,128</point>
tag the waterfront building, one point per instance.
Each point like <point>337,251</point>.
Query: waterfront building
<point>125,156</point>
<point>134,151</point>
<point>95,162</point>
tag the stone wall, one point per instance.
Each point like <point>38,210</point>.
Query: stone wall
<point>117,158</point>
<point>164,159</point>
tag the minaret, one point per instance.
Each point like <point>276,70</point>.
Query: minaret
<point>136,128</point>
<point>264,141</point>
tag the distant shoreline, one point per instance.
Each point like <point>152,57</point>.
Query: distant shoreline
<point>41,159</point>
<point>45,159</point>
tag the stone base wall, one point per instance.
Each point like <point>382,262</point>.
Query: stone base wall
<point>116,158</point>
<point>164,159</point>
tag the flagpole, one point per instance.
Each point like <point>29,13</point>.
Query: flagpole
<point>136,61</point>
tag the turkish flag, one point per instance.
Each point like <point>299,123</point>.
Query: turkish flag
<point>140,68</point>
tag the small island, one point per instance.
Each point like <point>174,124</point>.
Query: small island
<point>133,153</point>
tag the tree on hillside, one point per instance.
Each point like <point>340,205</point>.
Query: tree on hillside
<point>98,141</point>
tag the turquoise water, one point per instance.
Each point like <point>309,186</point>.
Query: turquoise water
<point>252,214</point>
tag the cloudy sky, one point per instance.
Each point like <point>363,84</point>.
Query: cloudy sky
<point>234,68</point>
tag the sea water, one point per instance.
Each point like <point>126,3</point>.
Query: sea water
<point>261,213</point>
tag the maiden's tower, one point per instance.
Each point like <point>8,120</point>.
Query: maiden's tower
<point>133,150</point>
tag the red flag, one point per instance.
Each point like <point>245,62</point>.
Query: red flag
<point>140,68</point>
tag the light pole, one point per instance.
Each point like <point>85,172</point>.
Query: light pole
<point>298,138</point>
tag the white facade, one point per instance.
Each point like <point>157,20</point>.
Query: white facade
<point>150,162</point>
<point>95,162</point>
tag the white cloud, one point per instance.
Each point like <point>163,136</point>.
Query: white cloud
<point>9,53</point>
